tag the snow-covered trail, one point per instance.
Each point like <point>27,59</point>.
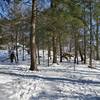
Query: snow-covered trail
<point>56,82</point>
<point>4,79</point>
<point>50,83</point>
<point>40,89</point>
<point>3,96</point>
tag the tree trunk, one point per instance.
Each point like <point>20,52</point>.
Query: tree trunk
<point>17,48</point>
<point>70,45</point>
<point>97,40</point>
<point>60,47</point>
<point>84,38</point>
<point>33,65</point>
<point>48,53</point>
<point>54,48</point>
<point>12,40</point>
<point>90,60</point>
<point>23,58</point>
<point>43,52</point>
<point>80,52</point>
<point>38,53</point>
<point>76,49</point>
<point>84,45</point>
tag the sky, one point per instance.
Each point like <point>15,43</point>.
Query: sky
<point>3,8</point>
<point>4,5</point>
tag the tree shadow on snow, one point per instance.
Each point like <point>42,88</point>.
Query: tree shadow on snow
<point>43,95</point>
<point>81,81</point>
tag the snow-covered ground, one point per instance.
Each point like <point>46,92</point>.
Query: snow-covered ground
<point>56,82</point>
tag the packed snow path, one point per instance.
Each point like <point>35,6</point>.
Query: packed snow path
<point>57,82</point>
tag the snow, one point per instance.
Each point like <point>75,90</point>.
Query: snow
<point>62,81</point>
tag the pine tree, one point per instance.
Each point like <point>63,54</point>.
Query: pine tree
<point>32,37</point>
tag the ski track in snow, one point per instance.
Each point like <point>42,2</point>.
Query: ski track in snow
<point>57,82</point>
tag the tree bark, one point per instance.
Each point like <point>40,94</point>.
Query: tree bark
<point>97,40</point>
<point>54,48</point>
<point>76,49</point>
<point>38,53</point>
<point>90,60</point>
<point>80,52</point>
<point>33,65</point>
<point>17,59</point>
<point>84,37</point>
<point>23,58</point>
<point>60,47</point>
<point>48,52</point>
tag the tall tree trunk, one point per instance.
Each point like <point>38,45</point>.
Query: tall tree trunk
<point>48,52</point>
<point>84,37</point>
<point>76,49</point>
<point>54,48</point>
<point>97,40</point>
<point>23,58</point>
<point>12,40</point>
<point>84,45</point>
<point>80,52</point>
<point>33,65</point>
<point>60,47</point>
<point>38,53</point>
<point>70,45</point>
<point>43,52</point>
<point>90,60</point>
<point>17,47</point>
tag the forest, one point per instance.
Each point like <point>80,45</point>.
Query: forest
<point>53,40</point>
